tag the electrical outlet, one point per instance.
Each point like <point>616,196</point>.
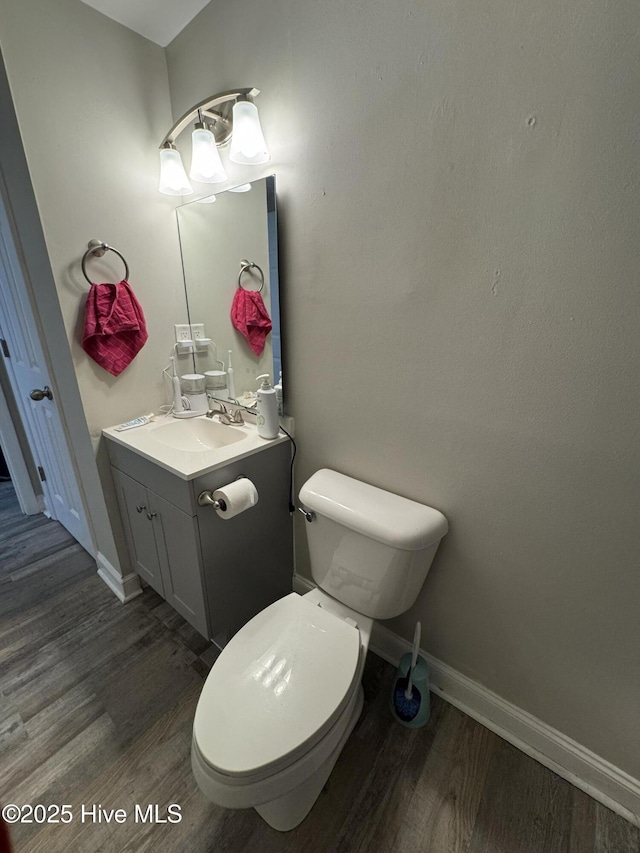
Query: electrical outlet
<point>197,331</point>
<point>183,332</point>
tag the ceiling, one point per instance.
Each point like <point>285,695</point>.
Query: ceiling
<point>158,20</point>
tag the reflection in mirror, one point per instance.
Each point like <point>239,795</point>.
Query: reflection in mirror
<point>214,239</point>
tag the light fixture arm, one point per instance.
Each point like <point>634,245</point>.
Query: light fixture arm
<point>205,107</point>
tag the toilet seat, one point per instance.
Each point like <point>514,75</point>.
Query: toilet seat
<point>276,689</point>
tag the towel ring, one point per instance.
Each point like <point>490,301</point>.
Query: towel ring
<point>97,248</point>
<point>245,266</point>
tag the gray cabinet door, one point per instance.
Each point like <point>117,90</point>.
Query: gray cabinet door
<point>178,542</point>
<point>139,529</point>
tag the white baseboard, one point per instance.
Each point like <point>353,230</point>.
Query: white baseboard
<point>124,587</point>
<point>606,783</point>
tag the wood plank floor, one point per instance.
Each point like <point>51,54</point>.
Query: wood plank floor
<point>96,706</point>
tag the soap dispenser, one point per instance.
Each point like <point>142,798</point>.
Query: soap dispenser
<point>268,424</point>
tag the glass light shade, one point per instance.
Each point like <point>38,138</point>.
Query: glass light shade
<point>206,165</point>
<point>243,188</point>
<point>247,143</point>
<point>209,199</point>
<point>173,178</point>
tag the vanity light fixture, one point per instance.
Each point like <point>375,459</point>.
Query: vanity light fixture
<point>223,118</point>
<point>247,144</point>
<point>173,178</point>
<point>243,188</point>
<point>206,165</point>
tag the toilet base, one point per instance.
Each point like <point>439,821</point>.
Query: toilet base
<point>290,810</point>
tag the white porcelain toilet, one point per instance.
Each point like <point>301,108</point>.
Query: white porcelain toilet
<point>284,694</point>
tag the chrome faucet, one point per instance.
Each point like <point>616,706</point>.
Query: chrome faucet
<point>221,411</point>
<point>233,418</point>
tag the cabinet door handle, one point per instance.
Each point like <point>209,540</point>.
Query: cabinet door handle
<point>140,507</point>
<point>151,515</point>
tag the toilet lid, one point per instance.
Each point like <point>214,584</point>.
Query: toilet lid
<point>276,688</point>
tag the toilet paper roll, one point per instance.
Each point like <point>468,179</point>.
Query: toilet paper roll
<point>236,497</point>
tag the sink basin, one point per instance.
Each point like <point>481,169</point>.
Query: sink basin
<point>190,447</point>
<point>194,436</point>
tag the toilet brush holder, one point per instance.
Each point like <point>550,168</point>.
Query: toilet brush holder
<point>414,711</point>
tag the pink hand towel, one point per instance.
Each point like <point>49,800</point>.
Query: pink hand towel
<point>249,316</point>
<point>114,326</point>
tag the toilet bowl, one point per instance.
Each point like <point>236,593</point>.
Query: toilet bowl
<point>272,748</point>
<point>285,693</point>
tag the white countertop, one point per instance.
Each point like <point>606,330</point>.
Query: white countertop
<point>189,464</point>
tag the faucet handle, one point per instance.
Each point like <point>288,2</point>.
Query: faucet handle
<point>221,411</point>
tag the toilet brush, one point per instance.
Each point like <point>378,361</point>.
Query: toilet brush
<point>410,702</point>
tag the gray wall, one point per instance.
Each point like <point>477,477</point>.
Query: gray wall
<point>92,103</point>
<point>91,99</point>
<point>458,189</point>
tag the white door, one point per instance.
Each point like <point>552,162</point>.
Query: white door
<point>31,384</point>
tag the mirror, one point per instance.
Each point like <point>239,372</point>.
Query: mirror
<point>214,239</point>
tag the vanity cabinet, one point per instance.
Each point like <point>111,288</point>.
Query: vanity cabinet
<point>217,573</point>
<point>163,546</point>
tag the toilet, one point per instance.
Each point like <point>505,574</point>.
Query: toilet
<point>285,693</point>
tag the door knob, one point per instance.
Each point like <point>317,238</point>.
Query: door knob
<point>38,395</point>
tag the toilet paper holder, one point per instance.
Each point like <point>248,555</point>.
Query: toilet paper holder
<point>206,498</point>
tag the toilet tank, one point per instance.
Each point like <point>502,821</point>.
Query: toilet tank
<point>369,549</point>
